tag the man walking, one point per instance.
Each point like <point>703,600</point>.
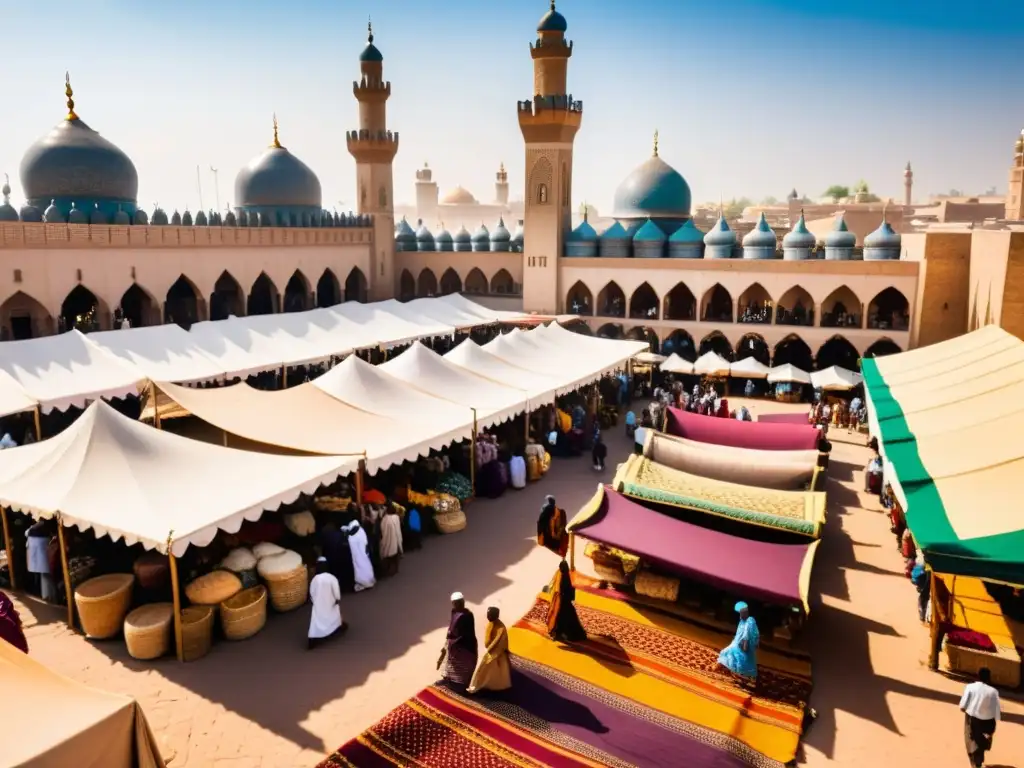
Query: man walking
<point>980,705</point>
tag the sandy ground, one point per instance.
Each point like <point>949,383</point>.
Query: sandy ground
<point>269,702</point>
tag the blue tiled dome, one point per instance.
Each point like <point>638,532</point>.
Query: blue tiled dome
<point>277,179</point>
<point>883,237</point>
<point>799,236</point>
<point>140,219</point>
<point>96,216</point>
<point>615,232</point>
<point>52,214</point>
<point>517,236</point>
<point>654,189</point>
<point>230,220</point>
<point>463,236</point>
<point>444,236</point>
<point>501,233</point>
<point>7,212</point>
<point>186,219</point>
<point>840,236</point>
<point>121,218</point>
<point>405,237</point>
<point>30,213</point>
<point>481,235</point>
<point>423,235</point>
<point>176,219</point>
<point>370,52</point>
<point>649,233</point>
<point>552,21</point>
<point>761,236</point>
<point>77,216</point>
<point>202,220</point>
<point>584,233</point>
<point>720,234</point>
<point>159,217</point>
<point>687,234</point>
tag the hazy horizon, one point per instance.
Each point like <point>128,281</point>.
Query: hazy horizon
<point>751,98</point>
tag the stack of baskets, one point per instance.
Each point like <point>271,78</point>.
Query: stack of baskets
<point>448,514</point>
<point>148,631</point>
<point>103,603</point>
<point>286,578</point>
<point>245,614</point>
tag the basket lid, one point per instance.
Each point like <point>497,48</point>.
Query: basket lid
<point>152,615</point>
<point>100,586</point>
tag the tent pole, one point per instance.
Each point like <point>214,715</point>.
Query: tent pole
<point>526,424</point>
<point>224,434</point>
<point>385,351</point>
<point>37,417</point>
<point>572,551</point>
<point>67,573</point>
<point>472,458</point>
<point>179,647</point>
<point>7,546</point>
<point>284,377</point>
<point>934,636</point>
<point>359,481</point>
<point>156,407</point>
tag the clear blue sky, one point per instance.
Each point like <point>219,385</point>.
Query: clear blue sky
<point>751,97</point>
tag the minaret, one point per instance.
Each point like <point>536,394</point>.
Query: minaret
<point>374,148</point>
<point>426,196</point>
<point>549,122</point>
<point>908,185</point>
<point>501,186</point>
<point>1015,190</point>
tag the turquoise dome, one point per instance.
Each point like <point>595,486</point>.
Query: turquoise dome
<point>517,236</point>
<point>584,233</point>
<point>30,213</point>
<point>481,235</point>
<point>77,216</point>
<point>615,232</point>
<point>186,219</point>
<point>52,214</point>
<point>687,234</point>
<point>653,190</point>
<point>122,219</point>
<point>405,237</point>
<point>552,21</point>
<point>840,236</point>
<point>141,219</point>
<point>176,219</point>
<point>463,236</point>
<point>370,52</point>
<point>423,234</point>
<point>649,233</point>
<point>96,216</point>
<point>883,237</point>
<point>799,236</point>
<point>229,219</point>
<point>444,236</point>
<point>761,236</point>
<point>277,179</point>
<point>159,217</point>
<point>201,219</point>
<point>501,233</point>
<point>720,234</point>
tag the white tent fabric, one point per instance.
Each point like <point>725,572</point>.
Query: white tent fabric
<point>749,368</point>
<point>238,350</point>
<point>13,399</point>
<point>485,313</point>
<point>711,364</point>
<point>272,341</point>
<point>676,364</point>
<point>123,479</point>
<point>835,378</point>
<point>428,371</point>
<point>442,312</point>
<point>650,358</point>
<point>67,370</point>
<point>539,389</point>
<point>788,374</point>
<point>161,352</point>
<point>390,329</point>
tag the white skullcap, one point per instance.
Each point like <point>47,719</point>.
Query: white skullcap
<point>457,596</point>
<point>321,559</point>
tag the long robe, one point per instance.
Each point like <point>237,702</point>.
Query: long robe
<point>734,658</point>
<point>359,546</point>
<point>339,558</point>
<point>10,624</point>
<point>390,543</point>
<point>460,648</point>
<point>495,671</point>
<point>325,618</point>
<point>551,531</point>
<point>563,622</point>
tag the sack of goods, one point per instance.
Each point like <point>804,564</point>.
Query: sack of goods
<point>213,588</point>
<point>301,523</point>
<point>265,549</point>
<point>284,562</point>
<point>238,560</point>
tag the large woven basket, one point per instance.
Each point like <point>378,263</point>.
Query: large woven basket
<point>1004,663</point>
<point>661,587</point>
<point>103,603</point>
<point>288,591</point>
<point>196,631</point>
<point>213,588</point>
<point>450,522</point>
<point>147,631</point>
<point>244,614</point>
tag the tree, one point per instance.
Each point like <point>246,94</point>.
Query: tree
<point>837,192</point>
<point>770,201</point>
<point>734,208</point>
<point>861,188</point>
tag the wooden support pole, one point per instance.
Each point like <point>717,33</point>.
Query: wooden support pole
<point>572,551</point>
<point>7,546</point>
<point>472,458</point>
<point>67,573</point>
<point>526,425</point>
<point>935,638</point>
<point>38,418</point>
<point>284,377</point>
<point>154,393</point>
<point>224,437</point>
<point>360,470</point>
<point>179,646</point>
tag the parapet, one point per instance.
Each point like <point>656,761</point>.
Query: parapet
<point>559,48</point>
<point>371,89</point>
<point>372,146</point>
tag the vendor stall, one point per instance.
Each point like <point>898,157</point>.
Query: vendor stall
<point>539,388</point>
<point>741,434</point>
<point>711,364</point>
<point>749,368</point>
<point>676,364</point>
<point>836,379</point>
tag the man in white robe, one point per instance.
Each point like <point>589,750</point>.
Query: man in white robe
<point>325,620</point>
<point>359,546</point>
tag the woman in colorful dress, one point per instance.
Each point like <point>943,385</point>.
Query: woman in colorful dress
<point>563,622</point>
<point>740,656</point>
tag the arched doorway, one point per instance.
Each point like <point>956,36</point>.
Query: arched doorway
<point>263,296</point>
<point>138,307</point>
<point>82,310</point>
<point>794,351</point>
<point>644,303</point>
<point>680,304</point>
<point>841,309</point>
<point>328,291</point>
<point>182,305</point>
<point>717,343</point>
<point>355,286</point>
<point>755,306</point>
<point>889,311</point>
<point>796,307</point>
<point>426,286</point>
<point>23,317</point>
<point>450,282</point>
<point>716,306</point>
<point>227,298</point>
<point>882,347</point>
<point>753,345</point>
<point>610,331</point>
<point>503,284</point>
<point>611,301</point>
<point>406,286</point>
<point>297,293</point>
<point>681,343</point>
<point>476,283</point>
<point>578,300</point>
<point>838,351</point>
<point>640,333</point>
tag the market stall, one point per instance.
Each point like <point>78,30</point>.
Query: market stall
<point>836,379</point>
<point>741,434</point>
<point>162,353</point>
<point>676,364</point>
<point>749,368</point>
<point>711,364</point>
<point>540,389</point>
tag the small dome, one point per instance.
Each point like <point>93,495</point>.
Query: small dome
<point>517,236</point>
<point>141,219</point>
<point>230,220</point>
<point>121,218</point>
<point>482,235</point>
<point>370,52</point>
<point>840,236</point>
<point>552,21</point>
<point>799,236</point>
<point>176,219</point>
<point>501,233</point>
<point>277,179</point>
<point>649,233</point>
<point>201,220</point>
<point>326,220</point>
<point>463,236</point>
<point>264,219</point>
<point>653,190</point>
<point>52,214</point>
<point>883,237</point>
<point>584,233</point>
<point>96,216</point>
<point>616,232</point>
<point>159,217</point>
<point>443,236</point>
<point>720,234</point>
<point>404,234</point>
<point>423,234</point>
<point>687,234</point>
<point>186,219</point>
<point>243,219</point>
<point>77,216</point>
<point>458,196</point>
<point>7,212</point>
<point>29,213</point>
<point>761,236</point>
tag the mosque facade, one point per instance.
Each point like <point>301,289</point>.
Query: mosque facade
<point>81,252</point>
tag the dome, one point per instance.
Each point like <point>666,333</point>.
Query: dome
<point>423,234</point>
<point>201,220</point>
<point>77,216</point>
<point>229,219</point>
<point>552,21</point>
<point>463,236</point>
<point>141,219</point>
<point>799,236</point>
<point>458,196</point>
<point>761,236</point>
<point>615,232</point>
<point>688,234</point>
<point>840,236</point>
<point>30,213</point>
<point>517,236</point>
<point>176,219</point>
<point>584,233</point>
<point>52,214</point>
<point>649,233</point>
<point>277,179</point>
<point>159,217</point>
<point>481,235</point>
<point>370,52</point>
<point>121,218</point>
<point>96,216</point>
<point>720,234</point>
<point>186,219</point>
<point>7,212</point>
<point>883,237</point>
<point>501,233</point>
<point>404,234</point>
<point>653,190</point>
<point>443,236</point>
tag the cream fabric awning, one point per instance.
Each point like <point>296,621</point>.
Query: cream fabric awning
<point>649,358</point>
<point>749,368</point>
<point>711,364</point>
<point>946,355</point>
<point>835,378</point>
<point>13,399</point>
<point>441,312</point>
<point>235,348</point>
<point>676,364</point>
<point>120,478</point>
<point>486,314</point>
<point>788,373</point>
<point>539,389</point>
<point>390,329</point>
<point>161,352</point>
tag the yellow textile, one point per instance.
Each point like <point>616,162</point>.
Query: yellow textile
<point>533,468</point>
<point>494,672</point>
<point>564,421</point>
<point>974,609</point>
<point>545,463</point>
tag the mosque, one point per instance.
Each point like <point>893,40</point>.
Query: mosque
<point>81,252</point>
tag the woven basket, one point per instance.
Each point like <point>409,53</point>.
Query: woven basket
<point>660,587</point>
<point>147,631</point>
<point>288,591</point>
<point>244,614</point>
<point>196,631</point>
<point>450,522</point>
<point>1004,663</point>
<point>213,588</point>
<point>103,603</point>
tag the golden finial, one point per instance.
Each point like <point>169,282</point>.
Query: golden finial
<point>885,206</point>
<point>69,93</point>
<point>277,141</point>
<point>655,142</point>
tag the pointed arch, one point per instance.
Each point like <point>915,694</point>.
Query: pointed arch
<point>883,347</point>
<point>502,283</point>
<point>328,290</point>
<point>476,282</point>
<point>264,298</point>
<point>841,309</point>
<point>837,351</point>
<point>183,304</point>
<point>641,333</point>
<point>578,301</point>
<point>24,317</point>
<point>716,305</point>
<point>83,310</point>
<point>753,345</point>
<point>681,343</point>
<point>644,303</point>
<point>227,298</point>
<point>680,303</point>
<point>297,293</point>
<point>795,307</point>
<point>406,286</point>
<point>889,311</point>
<point>138,307</point>
<point>450,282</point>
<point>717,343</point>
<point>755,305</point>
<point>611,301</point>
<point>356,286</point>
<point>610,331</point>
<point>426,286</point>
<point>794,351</point>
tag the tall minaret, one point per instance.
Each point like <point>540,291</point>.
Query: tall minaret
<point>908,185</point>
<point>549,122</point>
<point>374,148</point>
<point>1015,190</point>
<point>426,196</point>
<point>501,186</point>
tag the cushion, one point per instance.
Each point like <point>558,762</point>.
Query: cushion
<point>282,562</point>
<point>265,548</point>
<point>239,560</point>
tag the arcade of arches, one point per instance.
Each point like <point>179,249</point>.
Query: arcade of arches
<point>426,284</point>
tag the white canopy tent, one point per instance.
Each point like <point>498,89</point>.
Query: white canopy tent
<point>13,399</point>
<point>540,389</point>
<point>273,341</point>
<point>676,364</point>
<point>442,312</point>
<point>788,374</point>
<point>161,353</point>
<point>120,478</point>
<point>749,368</point>
<point>836,379</point>
<point>649,358</point>
<point>711,364</point>
<point>238,350</point>
<point>486,314</point>
<point>390,329</point>
<point>609,353</point>
<point>66,370</point>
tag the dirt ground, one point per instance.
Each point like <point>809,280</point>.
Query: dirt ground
<point>269,702</point>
